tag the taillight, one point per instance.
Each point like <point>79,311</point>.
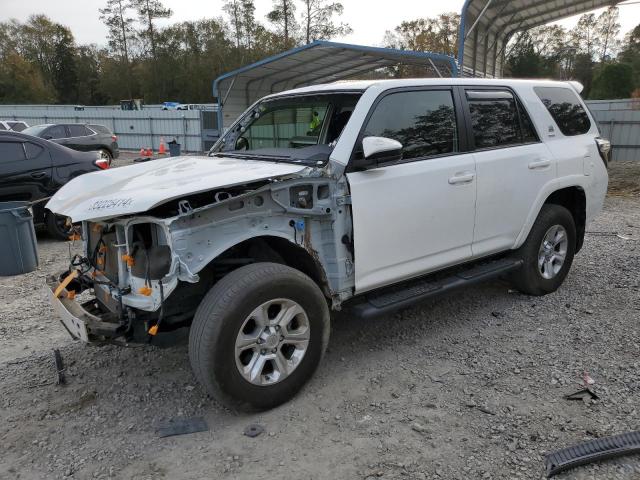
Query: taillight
<point>114,138</point>
<point>102,163</point>
<point>604,147</point>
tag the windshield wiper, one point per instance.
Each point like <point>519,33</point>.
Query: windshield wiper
<point>254,156</point>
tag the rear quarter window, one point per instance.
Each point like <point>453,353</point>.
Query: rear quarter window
<point>566,109</point>
<point>100,129</point>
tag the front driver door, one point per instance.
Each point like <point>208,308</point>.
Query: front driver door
<point>416,215</point>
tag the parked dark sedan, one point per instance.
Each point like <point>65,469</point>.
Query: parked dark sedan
<point>79,136</point>
<point>32,169</point>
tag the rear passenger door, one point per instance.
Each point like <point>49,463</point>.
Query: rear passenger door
<point>78,138</point>
<point>413,215</point>
<point>25,171</point>
<point>512,166</point>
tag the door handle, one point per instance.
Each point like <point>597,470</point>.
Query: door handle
<point>38,174</point>
<point>539,164</point>
<point>462,177</point>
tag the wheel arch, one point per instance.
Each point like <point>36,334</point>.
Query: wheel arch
<point>270,248</point>
<point>567,191</point>
<point>573,199</point>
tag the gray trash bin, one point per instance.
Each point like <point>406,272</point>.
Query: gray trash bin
<point>174,149</point>
<point>19,252</point>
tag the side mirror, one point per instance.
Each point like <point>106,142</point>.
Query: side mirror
<point>47,137</point>
<point>381,149</point>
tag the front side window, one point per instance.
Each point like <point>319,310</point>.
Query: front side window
<point>424,122</point>
<point>564,106</point>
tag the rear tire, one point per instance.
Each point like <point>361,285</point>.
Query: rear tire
<point>56,226</point>
<point>238,343</point>
<point>548,252</point>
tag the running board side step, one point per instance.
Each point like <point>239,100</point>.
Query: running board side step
<point>591,451</point>
<point>403,296</point>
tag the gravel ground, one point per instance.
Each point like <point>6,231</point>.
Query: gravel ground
<point>469,386</point>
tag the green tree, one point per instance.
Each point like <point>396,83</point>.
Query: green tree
<point>426,34</point>
<point>608,29</point>
<point>64,74</point>
<point>630,54</point>
<point>283,17</point>
<point>613,80</point>
<point>115,16</point>
<point>318,20</point>
<point>22,82</point>
<point>523,60</point>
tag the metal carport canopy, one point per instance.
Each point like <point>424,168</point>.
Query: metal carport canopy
<point>317,62</point>
<point>487,25</point>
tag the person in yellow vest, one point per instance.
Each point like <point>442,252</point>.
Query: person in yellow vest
<point>315,123</point>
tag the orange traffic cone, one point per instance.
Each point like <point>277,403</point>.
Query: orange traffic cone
<point>162,149</point>
<point>149,152</point>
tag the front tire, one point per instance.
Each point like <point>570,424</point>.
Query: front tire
<point>548,252</point>
<point>258,336</point>
<point>57,226</point>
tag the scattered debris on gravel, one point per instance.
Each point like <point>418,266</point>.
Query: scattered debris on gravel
<point>470,386</point>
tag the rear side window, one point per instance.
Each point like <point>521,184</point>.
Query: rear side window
<point>32,150</point>
<point>424,122</point>
<point>11,152</point>
<point>100,129</point>
<point>494,118</point>
<point>565,108</point>
<point>57,131</point>
<point>78,131</point>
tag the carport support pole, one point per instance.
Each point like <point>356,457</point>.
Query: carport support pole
<point>477,19</point>
<point>433,65</point>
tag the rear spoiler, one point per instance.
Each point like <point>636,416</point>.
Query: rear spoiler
<point>577,86</point>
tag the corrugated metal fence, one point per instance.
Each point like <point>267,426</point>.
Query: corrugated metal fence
<point>619,121</point>
<point>135,129</point>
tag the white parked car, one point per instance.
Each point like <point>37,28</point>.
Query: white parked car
<point>13,125</point>
<point>364,196</point>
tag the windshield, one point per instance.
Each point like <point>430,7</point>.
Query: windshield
<point>35,130</point>
<point>299,129</point>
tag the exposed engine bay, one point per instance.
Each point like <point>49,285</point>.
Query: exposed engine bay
<point>151,271</point>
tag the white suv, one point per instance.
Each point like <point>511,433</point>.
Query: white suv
<point>363,196</point>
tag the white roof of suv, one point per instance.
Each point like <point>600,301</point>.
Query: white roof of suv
<point>360,85</point>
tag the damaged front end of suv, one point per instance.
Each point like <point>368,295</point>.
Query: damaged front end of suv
<point>148,270</point>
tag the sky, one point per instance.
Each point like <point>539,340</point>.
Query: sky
<point>368,19</point>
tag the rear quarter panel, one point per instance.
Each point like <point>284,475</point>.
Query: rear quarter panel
<point>578,162</point>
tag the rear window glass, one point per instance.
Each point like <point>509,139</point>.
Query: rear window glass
<point>17,126</point>
<point>565,108</point>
